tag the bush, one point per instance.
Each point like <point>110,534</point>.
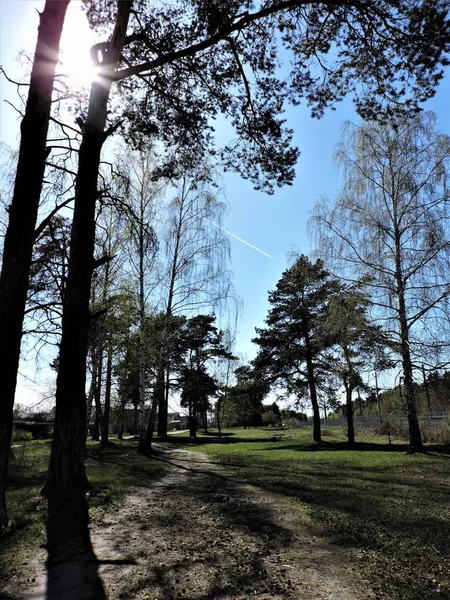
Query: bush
<point>21,435</point>
<point>439,435</point>
<point>20,457</point>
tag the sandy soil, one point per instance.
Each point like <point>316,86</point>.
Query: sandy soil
<point>200,535</point>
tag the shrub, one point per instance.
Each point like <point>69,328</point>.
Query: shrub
<point>21,435</point>
<point>20,457</point>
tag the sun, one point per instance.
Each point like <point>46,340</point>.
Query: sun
<point>76,42</point>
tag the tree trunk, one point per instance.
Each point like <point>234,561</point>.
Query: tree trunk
<point>162,405</point>
<point>142,357</point>
<point>193,426</point>
<point>98,422</point>
<point>121,420</point>
<point>377,391</point>
<point>145,445</point>
<point>95,432</point>
<point>106,410</point>
<point>218,415</point>
<point>19,239</point>
<point>349,387</point>
<point>66,468</point>
<point>415,438</point>
<point>427,389</point>
<point>161,400</point>
<point>317,435</point>
<point>350,424</point>
<point>91,393</point>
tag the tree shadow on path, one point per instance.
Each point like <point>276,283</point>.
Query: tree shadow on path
<point>72,567</point>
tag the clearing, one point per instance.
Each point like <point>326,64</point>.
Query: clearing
<point>258,516</point>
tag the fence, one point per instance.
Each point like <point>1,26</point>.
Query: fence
<point>431,420</point>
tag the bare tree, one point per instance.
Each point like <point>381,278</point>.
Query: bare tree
<point>143,198</point>
<point>196,278</point>
<point>389,228</point>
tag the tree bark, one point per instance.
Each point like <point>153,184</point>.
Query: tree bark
<point>317,435</point>
<point>349,387</point>
<point>98,422</point>
<point>107,406</point>
<point>415,438</point>
<point>23,212</point>
<point>91,393</point>
<point>66,468</point>
<point>350,424</point>
<point>142,357</point>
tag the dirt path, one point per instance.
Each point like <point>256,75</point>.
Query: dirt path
<point>199,535</point>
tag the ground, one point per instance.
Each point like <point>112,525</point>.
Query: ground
<point>200,534</point>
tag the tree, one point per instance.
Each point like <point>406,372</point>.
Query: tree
<point>20,234</point>
<point>201,342</point>
<point>291,345</point>
<point>223,371</point>
<point>271,414</point>
<point>247,395</point>
<point>195,255</point>
<point>389,228</point>
<point>192,60</point>
<point>142,194</point>
<point>348,327</point>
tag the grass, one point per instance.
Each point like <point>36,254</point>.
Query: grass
<point>113,471</point>
<point>389,510</point>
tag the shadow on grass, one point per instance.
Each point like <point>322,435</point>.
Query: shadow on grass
<point>215,434</point>
<point>324,446</point>
<point>212,439</point>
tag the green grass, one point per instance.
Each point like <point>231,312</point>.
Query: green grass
<point>388,509</point>
<point>113,471</point>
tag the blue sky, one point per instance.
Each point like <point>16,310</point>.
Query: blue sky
<point>275,224</point>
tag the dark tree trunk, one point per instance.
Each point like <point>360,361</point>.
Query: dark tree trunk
<point>349,387</point>
<point>121,420</point>
<point>193,426</point>
<point>350,424</point>
<point>98,421</point>
<point>66,468</point>
<point>95,432</point>
<point>219,416</point>
<point>145,444</point>
<point>91,394</point>
<point>19,239</point>
<point>317,435</point>
<point>107,407</point>
<point>161,400</point>
<point>136,419</point>
<point>427,389</point>
<point>415,438</point>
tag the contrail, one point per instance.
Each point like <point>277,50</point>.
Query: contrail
<point>238,238</point>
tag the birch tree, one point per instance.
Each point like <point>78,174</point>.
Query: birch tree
<point>195,259</point>
<point>390,228</point>
<point>143,197</point>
